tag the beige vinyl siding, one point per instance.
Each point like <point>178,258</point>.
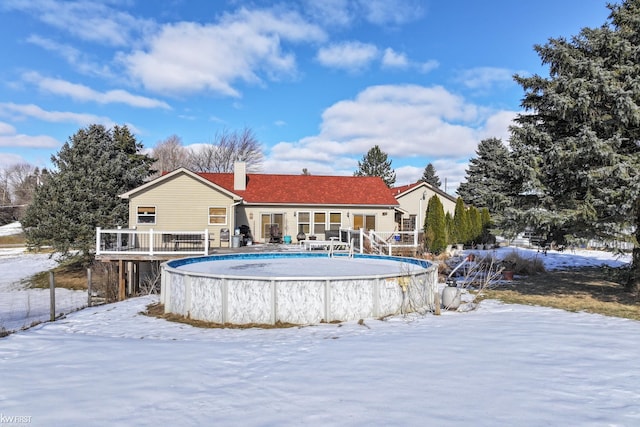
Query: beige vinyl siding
<point>414,204</point>
<point>182,203</point>
<point>251,216</point>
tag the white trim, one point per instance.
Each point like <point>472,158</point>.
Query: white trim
<point>226,215</point>
<point>178,171</point>
<point>155,214</point>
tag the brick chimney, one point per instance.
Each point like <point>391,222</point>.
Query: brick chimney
<point>239,176</point>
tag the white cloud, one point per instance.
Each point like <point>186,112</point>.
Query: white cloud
<point>393,59</point>
<point>92,21</point>
<point>497,125</point>
<point>6,129</point>
<point>384,13</point>
<point>428,66</point>
<point>28,141</point>
<point>23,111</point>
<point>10,138</point>
<point>8,159</point>
<point>329,12</point>
<point>350,56</point>
<point>391,12</point>
<point>407,121</point>
<point>486,77</point>
<point>245,46</point>
<point>19,112</point>
<point>73,56</point>
<point>84,93</point>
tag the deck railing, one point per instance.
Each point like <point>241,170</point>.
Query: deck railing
<point>380,242</point>
<point>126,241</point>
<point>136,242</point>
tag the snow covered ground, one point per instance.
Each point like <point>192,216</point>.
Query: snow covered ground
<point>20,307</point>
<point>500,365</point>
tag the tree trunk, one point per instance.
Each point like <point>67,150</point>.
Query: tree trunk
<point>633,285</point>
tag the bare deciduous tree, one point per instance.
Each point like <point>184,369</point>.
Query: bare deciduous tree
<point>17,186</point>
<point>228,148</point>
<point>170,154</point>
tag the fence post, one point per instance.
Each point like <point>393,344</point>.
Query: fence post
<point>89,286</point>
<point>206,241</point>
<point>151,241</point>
<point>52,296</point>
<point>97,240</point>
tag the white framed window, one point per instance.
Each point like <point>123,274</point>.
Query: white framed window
<point>217,215</point>
<point>335,220</point>
<point>319,222</point>
<point>146,215</point>
<point>304,222</point>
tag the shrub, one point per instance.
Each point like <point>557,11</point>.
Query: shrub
<point>519,265</point>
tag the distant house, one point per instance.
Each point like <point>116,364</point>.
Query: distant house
<point>412,200</point>
<point>265,205</point>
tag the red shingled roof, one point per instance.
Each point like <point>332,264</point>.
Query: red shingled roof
<point>401,189</point>
<point>308,189</point>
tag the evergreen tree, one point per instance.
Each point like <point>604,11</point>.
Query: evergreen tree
<point>92,168</point>
<point>460,230</point>
<point>487,182</point>
<point>475,225</point>
<point>576,149</point>
<point>448,226</point>
<point>485,220</point>
<point>430,177</point>
<point>375,163</point>
<point>435,237</point>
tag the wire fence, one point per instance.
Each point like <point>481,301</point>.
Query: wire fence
<point>24,308</point>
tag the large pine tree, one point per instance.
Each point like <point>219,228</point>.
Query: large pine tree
<point>376,163</point>
<point>577,149</point>
<point>430,176</point>
<point>486,184</point>
<point>90,170</point>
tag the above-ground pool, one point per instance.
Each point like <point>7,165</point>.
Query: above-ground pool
<point>299,288</point>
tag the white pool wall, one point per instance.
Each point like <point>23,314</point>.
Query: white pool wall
<point>305,300</point>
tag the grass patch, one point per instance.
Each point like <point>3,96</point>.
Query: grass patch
<point>68,276</point>
<point>13,239</point>
<point>586,289</point>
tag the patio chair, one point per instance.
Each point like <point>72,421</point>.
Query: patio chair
<point>275,236</point>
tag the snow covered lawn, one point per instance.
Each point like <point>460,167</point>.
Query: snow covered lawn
<point>20,307</point>
<point>500,365</point>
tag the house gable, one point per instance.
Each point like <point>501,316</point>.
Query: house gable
<point>180,201</point>
<point>413,200</point>
<point>172,175</point>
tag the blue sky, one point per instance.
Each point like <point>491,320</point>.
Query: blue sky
<point>319,82</point>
